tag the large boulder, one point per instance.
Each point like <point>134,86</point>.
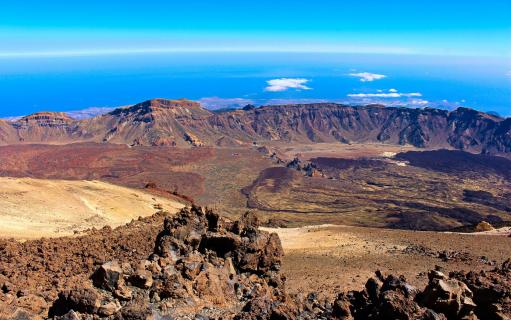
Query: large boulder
<point>491,291</point>
<point>86,300</point>
<point>108,276</point>
<point>448,296</point>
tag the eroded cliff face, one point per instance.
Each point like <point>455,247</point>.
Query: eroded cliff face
<point>183,123</point>
<point>500,140</point>
<point>41,126</point>
<point>333,122</point>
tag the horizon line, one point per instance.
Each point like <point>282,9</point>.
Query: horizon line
<point>326,50</point>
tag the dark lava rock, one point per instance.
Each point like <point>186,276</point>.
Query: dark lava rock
<point>107,276</point>
<point>200,262</point>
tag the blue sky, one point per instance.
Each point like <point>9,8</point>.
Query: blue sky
<point>454,27</point>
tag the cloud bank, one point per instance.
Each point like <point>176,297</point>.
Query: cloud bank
<point>215,103</point>
<point>392,93</point>
<point>367,76</point>
<point>89,112</point>
<point>283,84</point>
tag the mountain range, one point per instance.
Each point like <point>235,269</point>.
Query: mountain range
<point>159,122</point>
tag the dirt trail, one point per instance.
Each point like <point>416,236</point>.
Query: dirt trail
<point>34,208</point>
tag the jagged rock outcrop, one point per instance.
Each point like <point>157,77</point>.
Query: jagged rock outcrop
<point>484,295</point>
<point>183,122</point>
<point>491,291</point>
<point>309,169</point>
<point>202,264</point>
<point>193,140</point>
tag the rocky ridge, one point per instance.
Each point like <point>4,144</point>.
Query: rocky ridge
<point>184,122</point>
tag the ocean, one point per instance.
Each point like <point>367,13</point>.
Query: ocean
<point>226,80</point>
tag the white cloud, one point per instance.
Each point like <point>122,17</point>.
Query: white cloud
<point>296,101</point>
<point>367,76</point>
<point>283,84</point>
<point>393,98</point>
<point>418,102</point>
<point>89,112</point>
<point>385,95</point>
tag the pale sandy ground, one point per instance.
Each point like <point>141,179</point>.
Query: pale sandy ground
<point>34,208</point>
<point>328,239</point>
<point>337,150</point>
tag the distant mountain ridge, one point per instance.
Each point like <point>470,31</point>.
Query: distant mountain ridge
<point>183,122</point>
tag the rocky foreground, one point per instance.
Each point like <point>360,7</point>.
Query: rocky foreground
<point>206,267</point>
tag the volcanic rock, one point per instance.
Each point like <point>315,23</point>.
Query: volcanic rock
<point>108,276</point>
<point>208,267</point>
<point>142,278</point>
<point>201,262</point>
<point>81,300</point>
<point>452,297</point>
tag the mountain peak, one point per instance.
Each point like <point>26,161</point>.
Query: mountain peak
<point>170,103</point>
<point>161,105</point>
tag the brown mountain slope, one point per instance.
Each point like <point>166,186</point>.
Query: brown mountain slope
<point>44,126</point>
<point>183,122</point>
<point>153,122</point>
<point>167,167</point>
<point>7,132</point>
